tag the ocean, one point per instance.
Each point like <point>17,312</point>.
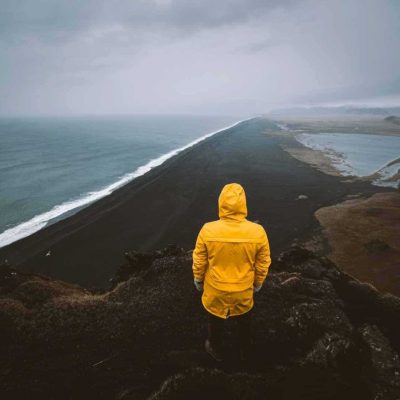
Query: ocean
<point>357,154</point>
<point>52,167</point>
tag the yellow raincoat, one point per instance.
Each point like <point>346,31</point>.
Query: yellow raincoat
<point>231,255</point>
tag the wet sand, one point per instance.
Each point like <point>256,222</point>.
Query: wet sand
<point>170,203</point>
<point>315,158</point>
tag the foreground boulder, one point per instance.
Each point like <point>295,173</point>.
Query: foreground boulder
<point>318,334</point>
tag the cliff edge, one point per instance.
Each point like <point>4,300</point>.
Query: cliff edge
<point>318,334</point>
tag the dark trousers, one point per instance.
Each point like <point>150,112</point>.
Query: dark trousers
<point>243,330</point>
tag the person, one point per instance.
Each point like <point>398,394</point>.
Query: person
<point>231,260</point>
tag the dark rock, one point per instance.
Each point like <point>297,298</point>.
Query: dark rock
<point>211,384</point>
<point>136,262</point>
<point>384,364</point>
<point>173,250</point>
<point>295,256</point>
<point>309,321</point>
<point>291,282</point>
<point>301,260</point>
<point>329,351</point>
<point>10,278</point>
<point>316,335</point>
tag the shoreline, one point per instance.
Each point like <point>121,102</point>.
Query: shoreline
<point>332,162</point>
<point>171,202</point>
<point>40,221</point>
<point>359,234</point>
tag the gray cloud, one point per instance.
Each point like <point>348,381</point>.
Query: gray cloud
<point>228,56</point>
<point>49,19</point>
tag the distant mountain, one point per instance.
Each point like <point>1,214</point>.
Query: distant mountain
<point>337,111</point>
<point>393,119</point>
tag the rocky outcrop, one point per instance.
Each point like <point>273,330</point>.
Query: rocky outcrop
<point>317,334</point>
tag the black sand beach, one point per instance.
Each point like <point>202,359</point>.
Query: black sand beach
<point>170,203</point>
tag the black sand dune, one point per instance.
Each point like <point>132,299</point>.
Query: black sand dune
<point>170,203</point>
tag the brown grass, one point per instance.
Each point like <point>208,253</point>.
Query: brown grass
<point>364,235</point>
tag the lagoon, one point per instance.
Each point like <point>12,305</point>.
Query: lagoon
<point>357,154</point>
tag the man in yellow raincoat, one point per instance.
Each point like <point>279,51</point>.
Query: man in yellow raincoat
<point>230,262</point>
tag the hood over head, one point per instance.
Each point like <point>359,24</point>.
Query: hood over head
<point>232,202</point>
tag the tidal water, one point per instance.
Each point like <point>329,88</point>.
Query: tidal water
<point>52,167</point>
<point>359,154</point>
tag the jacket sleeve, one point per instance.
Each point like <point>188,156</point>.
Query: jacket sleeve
<point>263,261</point>
<point>200,259</point>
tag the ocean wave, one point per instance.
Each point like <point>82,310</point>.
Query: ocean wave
<point>40,221</point>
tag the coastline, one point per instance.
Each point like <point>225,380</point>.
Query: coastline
<point>332,162</point>
<point>40,221</point>
<point>170,203</point>
<point>360,234</point>
<point>316,158</point>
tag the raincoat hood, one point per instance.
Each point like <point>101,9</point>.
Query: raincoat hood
<point>232,202</point>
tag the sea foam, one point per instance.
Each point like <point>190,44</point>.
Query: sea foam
<point>40,221</point>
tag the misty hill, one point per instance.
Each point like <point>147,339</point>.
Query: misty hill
<point>393,119</point>
<point>318,334</point>
<point>337,111</point>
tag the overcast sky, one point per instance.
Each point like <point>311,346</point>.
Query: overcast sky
<point>205,56</point>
